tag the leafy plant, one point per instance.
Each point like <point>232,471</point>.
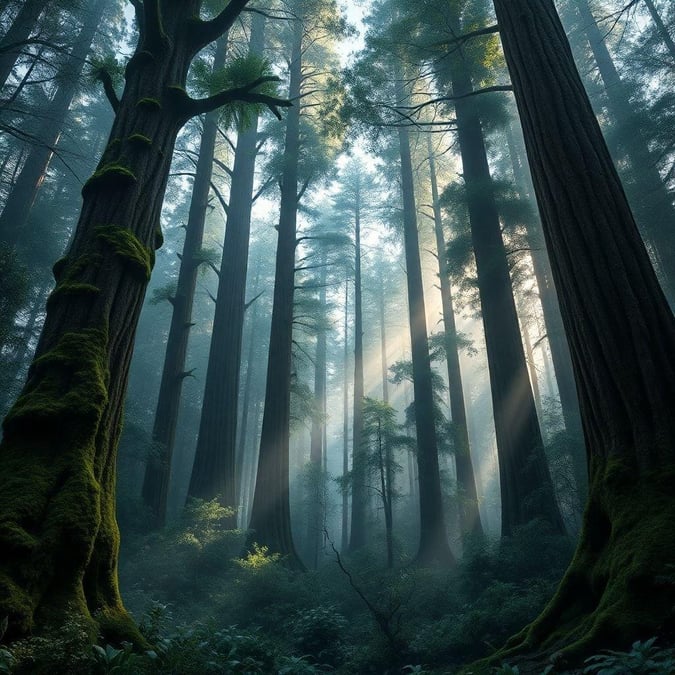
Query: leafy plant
<point>6,661</point>
<point>644,658</point>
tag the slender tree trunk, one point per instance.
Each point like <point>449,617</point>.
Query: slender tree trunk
<point>243,430</point>
<point>383,335</point>
<point>158,467</point>
<point>345,424</point>
<point>651,200</point>
<point>213,473</point>
<point>529,357</point>
<point>468,512</point>
<point>359,471</point>
<point>661,28</point>
<point>14,40</point>
<point>270,514</point>
<point>433,544</point>
<point>622,339</point>
<point>526,488</point>
<point>57,458</point>
<point>317,448</point>
<point>22,197</point>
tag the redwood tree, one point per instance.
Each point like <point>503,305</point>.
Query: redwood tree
<point>622,340</point>
<point>58,534</point>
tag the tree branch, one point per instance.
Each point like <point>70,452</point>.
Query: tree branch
<point>205,32</point>
<point>192,107</point>
<point>105,79</point>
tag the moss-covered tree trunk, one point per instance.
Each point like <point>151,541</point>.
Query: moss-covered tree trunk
<point>58,535</point>
<point>622,338</point>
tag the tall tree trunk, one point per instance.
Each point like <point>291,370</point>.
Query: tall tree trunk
<point>158,467</point>
<point>22,197</point>
<point>359,458</point>
<point>468,512</point>
<point>383,334</point>
<point>243,429</point>
<point>270,514</point>
<point>433,544</point>
<point>622,339</point>
<point>526,488</point>
<point>317,447</point>
<point>58,531</point>
<point>14,40</point>
<point>557,340</point>
<point>345,424</point>
<point>213,473</point>
<point>661,28</point>
<point>651,200</point>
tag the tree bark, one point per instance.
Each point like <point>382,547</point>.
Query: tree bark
<point>345,424</point>
<point>214,473</point>
<point>622,340</point>
<point>359,459</point>
<point>270,514</point>
<point>317,446</point>
<point>433,545</point>
<point>158,467</point>
<point>557,340</point>
<point>58,531</point>
<point>526,488</point>
<point>469,515</point>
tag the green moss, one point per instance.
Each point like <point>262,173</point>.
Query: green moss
<point>127,246</point>
<point>64,289</point>
<point>111,177</point>
<point>140,139</point>
<point>116,626</point>
<point>150,103</point>
<point>72,384</point>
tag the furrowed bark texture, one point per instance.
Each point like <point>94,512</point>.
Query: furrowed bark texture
<point>622,340</point>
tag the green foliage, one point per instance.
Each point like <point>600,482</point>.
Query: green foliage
<point>61,652</point>
<point>319,632</point>
<point>164,293</point>
<point>644,658</point>
<point>240,72</point>
<point>112,660</point>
